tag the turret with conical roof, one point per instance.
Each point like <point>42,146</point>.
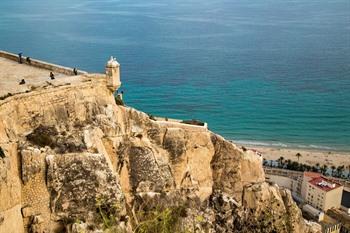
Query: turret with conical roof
<point>113,74</point>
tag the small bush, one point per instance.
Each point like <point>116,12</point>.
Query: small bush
<point>161,221</point>
<point>150,220</point>
<point>108,214</point>
<point>118,100</point>
<point>59,141</point>
<point>43,136</point>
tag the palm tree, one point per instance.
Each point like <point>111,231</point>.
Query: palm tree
<point>333,170</point>
<point>324,169</point>
<point>302,167</point>
<point>317,166</point>
<point>340,170</point>
<point>298,155</point>
<point>348,167</point>
<point>288,164</point>
<point>307,167</point>
<point>280,161</point>
<point>264,162</point>
<point>295,166</point>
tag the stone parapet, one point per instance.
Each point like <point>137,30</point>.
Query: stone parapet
<point>41,64</point>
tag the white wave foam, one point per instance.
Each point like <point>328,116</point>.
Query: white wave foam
<point>284,145</point>
<point>258,143</point>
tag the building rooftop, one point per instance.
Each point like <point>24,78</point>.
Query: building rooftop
<point>324,183</point>
<point>312,174</point>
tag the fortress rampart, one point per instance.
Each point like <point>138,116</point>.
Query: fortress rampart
<point>41,64</point>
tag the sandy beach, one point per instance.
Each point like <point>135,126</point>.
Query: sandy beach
<point>310,157</point>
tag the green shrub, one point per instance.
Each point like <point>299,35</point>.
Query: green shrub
<point>118,100</point>
<point>108,214</point>
<point>43,136</point>
<point>156,220</point>
<point>161,221</point>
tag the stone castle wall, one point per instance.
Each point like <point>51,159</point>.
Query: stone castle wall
<point>41,64</point>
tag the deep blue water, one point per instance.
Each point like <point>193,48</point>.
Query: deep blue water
<point>272,71</point>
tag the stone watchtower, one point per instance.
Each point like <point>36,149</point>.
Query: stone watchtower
<point>113,74</point>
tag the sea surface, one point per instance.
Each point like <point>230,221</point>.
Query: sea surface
<point>271,72</point>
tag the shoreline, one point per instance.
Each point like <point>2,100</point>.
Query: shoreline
<point>308,156</point>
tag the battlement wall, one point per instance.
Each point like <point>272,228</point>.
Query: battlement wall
<point>41,64</point>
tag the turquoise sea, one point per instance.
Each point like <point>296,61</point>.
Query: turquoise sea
<point>272,72</point>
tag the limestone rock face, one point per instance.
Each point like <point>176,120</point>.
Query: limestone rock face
<point>75,161</point>
<point>10,189</point>
<point>144,167</point>
<point>175,142</point>
<point>77,181</point>
<point>264,209</point>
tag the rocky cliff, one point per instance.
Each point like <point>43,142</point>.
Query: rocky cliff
<point>74,161</point>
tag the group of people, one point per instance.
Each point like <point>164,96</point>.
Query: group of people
<point>28,61</point>
<point>20,59</point>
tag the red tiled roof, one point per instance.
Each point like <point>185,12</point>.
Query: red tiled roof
<point>324,183</point>
<point>312,174</point>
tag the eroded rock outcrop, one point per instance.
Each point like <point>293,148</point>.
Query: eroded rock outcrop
<point>74,161</point>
